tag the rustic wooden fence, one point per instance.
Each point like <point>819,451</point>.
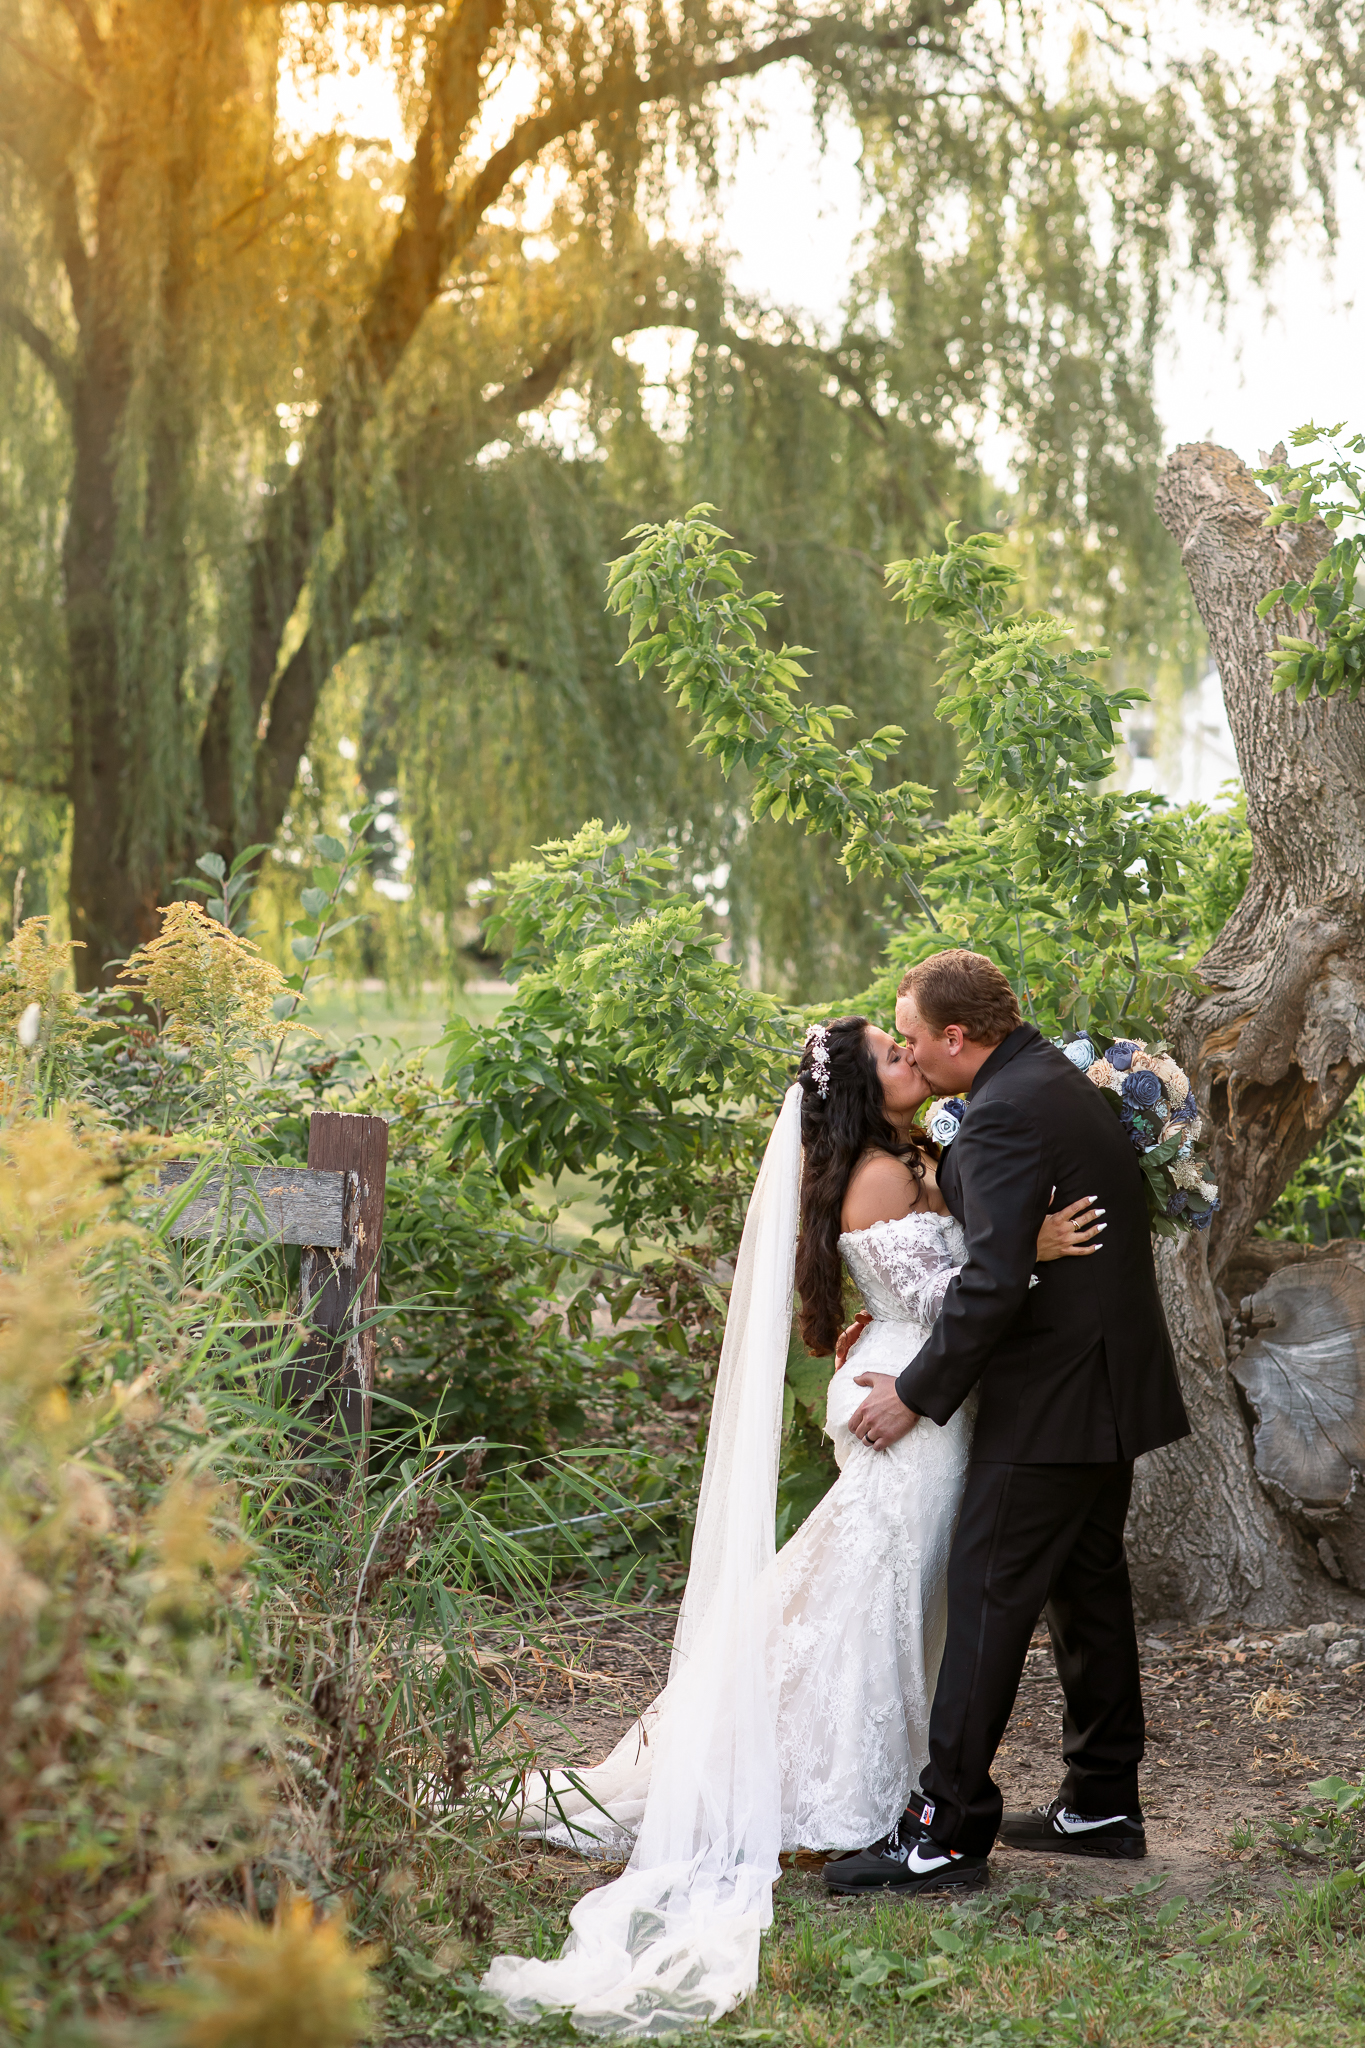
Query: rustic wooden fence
<point>333,1209</point>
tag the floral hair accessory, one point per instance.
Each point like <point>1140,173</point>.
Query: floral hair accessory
<point>946,1121</point>
<point>817,1045</point>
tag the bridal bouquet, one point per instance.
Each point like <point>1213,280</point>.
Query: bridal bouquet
<point>1155,1104</point>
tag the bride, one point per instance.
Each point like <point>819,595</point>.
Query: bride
<point>797,1707</point>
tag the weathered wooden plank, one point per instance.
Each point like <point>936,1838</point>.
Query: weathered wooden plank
<point>276,1204</point>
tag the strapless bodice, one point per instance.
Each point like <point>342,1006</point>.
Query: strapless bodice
<point>899,1267</point>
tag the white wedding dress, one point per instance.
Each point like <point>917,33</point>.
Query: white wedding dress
<point>797,1709</point>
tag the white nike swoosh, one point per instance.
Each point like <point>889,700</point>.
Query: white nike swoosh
<point>1077,1824</point>
<point>921,1865</point>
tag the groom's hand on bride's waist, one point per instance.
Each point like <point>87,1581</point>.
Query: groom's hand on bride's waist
<point>883,1418</point>
<point>849,1337</point>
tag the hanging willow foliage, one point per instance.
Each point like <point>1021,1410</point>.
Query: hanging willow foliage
<point>276,403</point>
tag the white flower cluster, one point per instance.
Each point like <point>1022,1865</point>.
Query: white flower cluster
<point>1186,1174</point>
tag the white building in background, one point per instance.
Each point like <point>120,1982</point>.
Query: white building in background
<point>1187,758</point>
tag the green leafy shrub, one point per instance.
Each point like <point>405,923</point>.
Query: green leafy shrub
<point>1326,1197</point>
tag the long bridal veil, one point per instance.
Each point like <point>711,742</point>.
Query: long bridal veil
<point>674,1941</point>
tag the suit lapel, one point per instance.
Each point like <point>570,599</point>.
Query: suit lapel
<point>948,1184</point>
<point>948,1178</point>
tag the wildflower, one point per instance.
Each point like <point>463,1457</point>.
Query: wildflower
<point>209,983</point>
<point>295,1984</point>
<point>35,973</point>
<point>192,1558</point>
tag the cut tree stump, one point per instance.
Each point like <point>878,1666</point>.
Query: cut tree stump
<point>1296,1343</point>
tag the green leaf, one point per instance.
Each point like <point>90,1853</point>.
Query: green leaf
<point>212,864</point>
<point>329,848</point>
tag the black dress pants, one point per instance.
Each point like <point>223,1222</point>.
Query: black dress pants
<point>1036,1539</point>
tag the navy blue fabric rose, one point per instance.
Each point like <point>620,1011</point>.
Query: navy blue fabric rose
<point>1178,1203</point>
<point>1188,1110</point>
<point>1140,1087</point>
<point>1120,1054</point>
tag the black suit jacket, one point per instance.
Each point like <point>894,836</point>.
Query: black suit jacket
<point>1079,1368</point>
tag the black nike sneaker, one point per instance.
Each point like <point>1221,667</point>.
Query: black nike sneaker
<point>907,1860</point>
<point>1061,1832</point>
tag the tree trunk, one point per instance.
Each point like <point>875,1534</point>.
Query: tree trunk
<point>1273,1044</point>
<point>107,913</point>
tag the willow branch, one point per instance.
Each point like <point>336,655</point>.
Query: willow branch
<point>40,344</point>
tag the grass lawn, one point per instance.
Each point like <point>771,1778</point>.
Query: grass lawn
<point>396,1018</point>
<point>1245,1924</point>
<point>1017,1963</point>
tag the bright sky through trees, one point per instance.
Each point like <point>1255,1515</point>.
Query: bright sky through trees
<point>791,216</point>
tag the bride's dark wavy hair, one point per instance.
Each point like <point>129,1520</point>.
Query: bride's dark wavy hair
<point>835,1133</point>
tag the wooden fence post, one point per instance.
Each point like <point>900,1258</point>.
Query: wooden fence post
<point>339,1289</point>
<point>334,1211</point>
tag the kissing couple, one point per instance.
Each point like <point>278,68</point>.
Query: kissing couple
<point>849,1693</point>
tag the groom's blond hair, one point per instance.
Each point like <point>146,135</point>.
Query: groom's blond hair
<point>965,989</point>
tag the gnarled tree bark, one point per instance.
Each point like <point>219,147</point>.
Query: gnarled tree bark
<point>1274,1043</point>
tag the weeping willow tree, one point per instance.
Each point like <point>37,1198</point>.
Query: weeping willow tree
<point>273,402</point>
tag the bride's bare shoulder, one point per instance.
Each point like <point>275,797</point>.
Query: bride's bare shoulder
<point>881,1189</point>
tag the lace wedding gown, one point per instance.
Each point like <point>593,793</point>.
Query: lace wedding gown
<point>796,1713</point>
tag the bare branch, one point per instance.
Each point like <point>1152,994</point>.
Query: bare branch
<point>42,346</point>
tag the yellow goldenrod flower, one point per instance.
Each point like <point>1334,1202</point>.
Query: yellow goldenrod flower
<point>295,1984</point>
<point>210,984</point>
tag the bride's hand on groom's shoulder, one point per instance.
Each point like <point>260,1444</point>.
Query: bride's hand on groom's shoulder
<point>849,1337</point>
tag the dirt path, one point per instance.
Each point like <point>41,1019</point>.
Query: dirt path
<point>1234,1736</point>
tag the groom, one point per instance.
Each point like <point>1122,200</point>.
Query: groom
<point>1075,1378</point>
